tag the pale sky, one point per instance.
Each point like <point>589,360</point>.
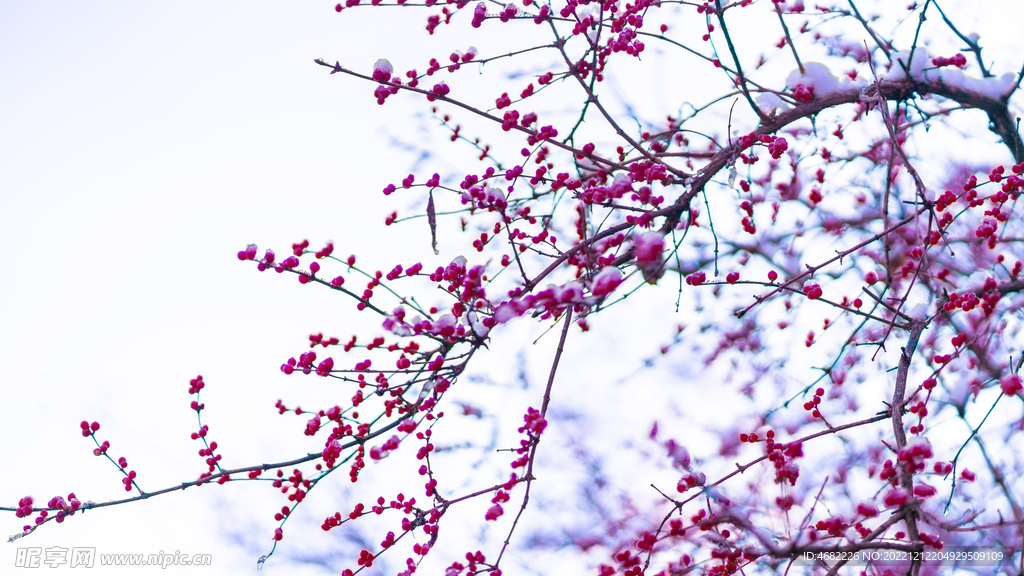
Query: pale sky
<point>141,146</point>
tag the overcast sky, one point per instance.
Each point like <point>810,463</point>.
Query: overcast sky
<point>142,145</point>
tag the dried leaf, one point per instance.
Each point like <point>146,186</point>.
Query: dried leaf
<point>432,220</point>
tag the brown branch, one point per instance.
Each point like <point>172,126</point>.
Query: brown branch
<point>789,39</point>
<point>741,468</point>
<point>812,269</point>
<point>883,46</point>
<point>212,478</point>
<point>593,99</point>
<point>593,157</point>
<point>917,327</point>
<point>740,79</point>
<point>536,440</point>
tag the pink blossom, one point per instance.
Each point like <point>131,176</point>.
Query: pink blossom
<point>607,280</point>
<point>382,70</point>
<point>649,247</point>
